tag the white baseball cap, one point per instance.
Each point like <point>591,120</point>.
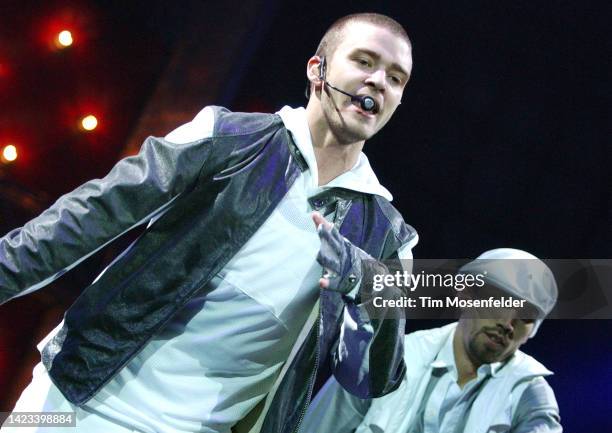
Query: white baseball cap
<point>520,274</point>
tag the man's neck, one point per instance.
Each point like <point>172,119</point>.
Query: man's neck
<point>332,161</point>
<point>333,158</point>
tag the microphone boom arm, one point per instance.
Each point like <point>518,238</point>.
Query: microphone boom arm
<point>367,103</point>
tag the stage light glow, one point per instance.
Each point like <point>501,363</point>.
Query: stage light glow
<point>64,38</point>
<point>9,153</point>
<point>89,122</point>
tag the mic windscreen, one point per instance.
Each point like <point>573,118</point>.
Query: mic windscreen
<point>367,103</point>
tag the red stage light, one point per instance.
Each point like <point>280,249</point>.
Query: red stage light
<point>64,39</point>
<point>9,153</point>
<point>89,122</point>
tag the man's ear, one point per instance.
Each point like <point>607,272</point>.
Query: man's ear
<point>313,71</point>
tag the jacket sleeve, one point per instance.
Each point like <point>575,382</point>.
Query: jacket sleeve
<point>368,358</point>
<point>537,410</point>
<point>81,222</point>
<point>334,410</point>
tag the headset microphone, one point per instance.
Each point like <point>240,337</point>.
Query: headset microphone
<point>367,103</point>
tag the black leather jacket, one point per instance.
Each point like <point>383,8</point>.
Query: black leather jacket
<point>203,200</point>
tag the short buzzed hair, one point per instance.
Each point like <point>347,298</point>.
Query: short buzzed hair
<point>333,35</point>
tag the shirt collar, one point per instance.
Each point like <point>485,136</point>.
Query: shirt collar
<point>359,178</point>
<point>446,360</point>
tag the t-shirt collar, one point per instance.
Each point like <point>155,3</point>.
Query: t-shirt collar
<point>359,178</point>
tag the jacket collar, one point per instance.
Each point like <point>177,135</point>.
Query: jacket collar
<point>360,178</point>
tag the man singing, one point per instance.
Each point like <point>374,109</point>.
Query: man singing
<point>244,281</point>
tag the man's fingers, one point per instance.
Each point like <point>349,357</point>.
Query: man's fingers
<point>326,260</point>
<point>323,283</point>
<point>318,220</point>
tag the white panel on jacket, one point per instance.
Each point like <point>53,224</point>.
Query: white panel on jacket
<point>200,127</point>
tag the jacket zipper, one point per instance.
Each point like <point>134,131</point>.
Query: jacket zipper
<point>341,211</point>
<point>311,379</point>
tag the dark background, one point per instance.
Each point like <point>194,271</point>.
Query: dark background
<point>502,138</point>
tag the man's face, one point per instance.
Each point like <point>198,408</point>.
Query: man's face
<point>369,60</point>
<point>495,334</point>
<point>493,340</point>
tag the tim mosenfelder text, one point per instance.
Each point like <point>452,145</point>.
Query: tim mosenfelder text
<point>449,302</point>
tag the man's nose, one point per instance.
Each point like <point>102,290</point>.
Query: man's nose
<point>378,79</point>
<point>506,326</point>
<point>506,321</point>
